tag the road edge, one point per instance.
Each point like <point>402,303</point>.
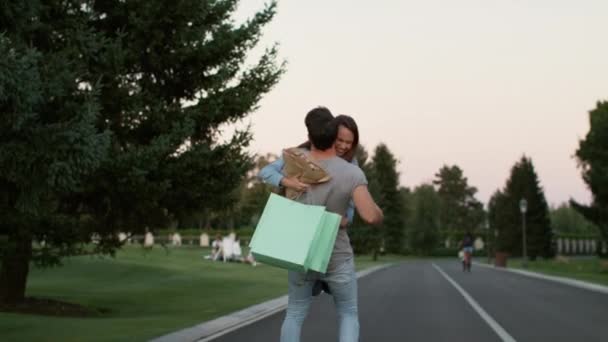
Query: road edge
<point>215,328</point>
<point>563,280</point>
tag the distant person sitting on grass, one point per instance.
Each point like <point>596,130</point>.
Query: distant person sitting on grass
<point>237,251</point>
<point>216,249</point>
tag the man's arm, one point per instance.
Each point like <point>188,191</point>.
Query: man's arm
<point>366,207</point>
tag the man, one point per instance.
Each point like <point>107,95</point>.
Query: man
<point>347,181</point>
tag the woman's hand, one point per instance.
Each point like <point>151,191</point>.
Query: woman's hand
<point>344,222</point>
<point>294,184</point>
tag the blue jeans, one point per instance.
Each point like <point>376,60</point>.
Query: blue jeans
<point>342,283</point>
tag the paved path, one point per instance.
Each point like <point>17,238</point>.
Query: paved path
<point>435,301</point>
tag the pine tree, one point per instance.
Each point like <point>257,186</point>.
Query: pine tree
<point>524,184</point>
<point>460,210</point>
<point>423,221</point>
<point>111,116</point>
<point>365,238</point>
<point>500,217</point>
<point>385,187</point>
<point>47,128</point>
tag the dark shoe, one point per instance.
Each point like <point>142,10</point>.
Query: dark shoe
<point>317,287</point>
<point>320,286</point>
<point>325,287</point>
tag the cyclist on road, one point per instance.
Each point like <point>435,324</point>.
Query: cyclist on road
<point>467,248</point>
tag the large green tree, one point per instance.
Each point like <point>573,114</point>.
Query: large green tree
<point>592,156</point>
<point>49,141</point>
<point>161,77</point>
<point>253,194</point>
<point>363,237</point>
<point>423,221</point>
<point>249,199</point>
<point>523,183</point>
<point>460,210</point>
<point>385,187</point>
<point>501,216</point>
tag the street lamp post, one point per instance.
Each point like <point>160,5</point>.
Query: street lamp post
<point>523,207</point>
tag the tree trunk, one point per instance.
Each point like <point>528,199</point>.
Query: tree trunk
<point>15,268</point>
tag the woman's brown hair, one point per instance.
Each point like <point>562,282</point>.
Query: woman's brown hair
<point>350,124</point>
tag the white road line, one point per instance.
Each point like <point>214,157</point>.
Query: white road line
<point>502,333</point>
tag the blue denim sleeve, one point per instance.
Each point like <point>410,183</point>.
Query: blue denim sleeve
<point>350,212</point>
<point>271,173</point>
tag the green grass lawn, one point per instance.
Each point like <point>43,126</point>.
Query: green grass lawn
<point>148,293</point>
<point>591,269</point>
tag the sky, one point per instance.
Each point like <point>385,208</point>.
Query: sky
<point>475,83</point>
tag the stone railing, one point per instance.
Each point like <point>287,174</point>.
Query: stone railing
<point>580,246</point>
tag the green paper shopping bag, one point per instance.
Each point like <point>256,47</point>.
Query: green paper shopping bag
<point>295,236</point>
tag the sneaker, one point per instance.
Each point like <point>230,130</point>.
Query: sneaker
<point>320,286</point>
<point>317,287</point>
<point>325,287</point>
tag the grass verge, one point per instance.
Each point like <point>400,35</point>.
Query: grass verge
<point>590,269</point>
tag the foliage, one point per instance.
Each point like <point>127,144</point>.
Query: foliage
<point>112,112</point>
<point>386,186</point>
<point>50,143</point>
<point>506,218</point>
<point>364,238</point>
<point>253,194</point>
<point>592,156</point>
<point>565,220</point>
<point>460,210</point>
<point>423,222</point>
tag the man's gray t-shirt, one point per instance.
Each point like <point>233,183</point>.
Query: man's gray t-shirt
<point>335,196</point>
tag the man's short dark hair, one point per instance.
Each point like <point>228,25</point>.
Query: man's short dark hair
<point>322,129</point>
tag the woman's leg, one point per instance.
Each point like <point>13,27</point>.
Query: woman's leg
<point>299,298</point>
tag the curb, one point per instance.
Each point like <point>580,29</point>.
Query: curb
<point>215,328</point>
<point>567,281</point>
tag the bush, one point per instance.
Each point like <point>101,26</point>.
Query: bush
<point>191,236</point>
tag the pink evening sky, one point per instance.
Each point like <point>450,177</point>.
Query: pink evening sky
<point>477,83</point>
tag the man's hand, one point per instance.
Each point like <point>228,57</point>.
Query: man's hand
<point>294,184</point>
<point>343,222</point>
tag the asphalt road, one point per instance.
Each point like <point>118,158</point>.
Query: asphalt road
<point>415,301</point>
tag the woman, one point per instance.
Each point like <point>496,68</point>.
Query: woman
<point>467,251</point>
<point>346,147</point>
